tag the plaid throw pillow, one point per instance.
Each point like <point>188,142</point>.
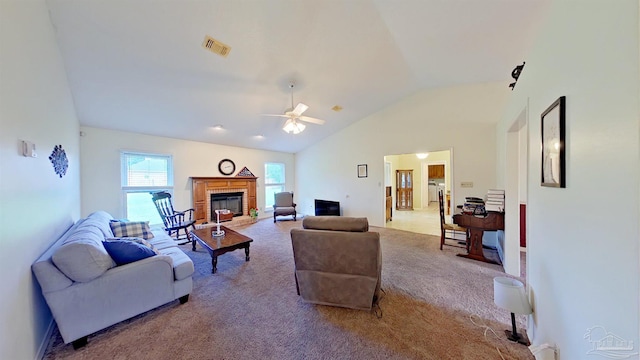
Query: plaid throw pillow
<point>131,229</point>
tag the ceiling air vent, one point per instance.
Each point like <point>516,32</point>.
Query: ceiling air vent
<point>215,46</point>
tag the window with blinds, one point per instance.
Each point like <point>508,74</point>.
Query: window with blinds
<point>274,182</point>
<point>142,174</point>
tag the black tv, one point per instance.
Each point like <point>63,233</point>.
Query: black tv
<point>327,208</point>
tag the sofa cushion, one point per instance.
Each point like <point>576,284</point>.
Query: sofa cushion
<point>127,251</point>
<point>82,257</point>
<point>336,223</point>
<point>100,219</point>
<point>182,264</point>
<point>131,229</point>
<point>161,240</point>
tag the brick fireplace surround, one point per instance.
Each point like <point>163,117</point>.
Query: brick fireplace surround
<point>203,187</point>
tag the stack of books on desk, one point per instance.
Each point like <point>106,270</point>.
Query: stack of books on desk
<point>473,206</point>
<point>495,200</point>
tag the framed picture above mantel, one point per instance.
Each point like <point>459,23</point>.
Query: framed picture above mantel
<point>553,171</point>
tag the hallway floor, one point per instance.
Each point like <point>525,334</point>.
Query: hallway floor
<point>423,221</point>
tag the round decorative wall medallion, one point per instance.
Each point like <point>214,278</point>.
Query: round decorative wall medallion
<point>226,167</point>
<point>59,160</point>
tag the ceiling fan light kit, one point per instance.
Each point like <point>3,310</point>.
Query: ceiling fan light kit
<point>292,126</point>
<point>294,116</point>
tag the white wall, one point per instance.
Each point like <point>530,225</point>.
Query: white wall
<point>583,241</point>
<point>36,205</point>
<point>100,159</point>
<point>462,118</point>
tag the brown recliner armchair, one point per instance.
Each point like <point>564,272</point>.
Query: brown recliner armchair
<point>338,262</point>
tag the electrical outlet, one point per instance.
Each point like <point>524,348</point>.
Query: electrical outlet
<point>466,184</point>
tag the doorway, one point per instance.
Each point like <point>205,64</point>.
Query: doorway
<point>434,179</point>
<point>425,217</point>
<point>516,182</point>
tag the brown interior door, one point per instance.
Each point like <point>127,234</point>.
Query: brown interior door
<point>404,189</point>
<point>523,225</point>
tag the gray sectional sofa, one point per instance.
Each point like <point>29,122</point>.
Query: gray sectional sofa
<point>87,291</point>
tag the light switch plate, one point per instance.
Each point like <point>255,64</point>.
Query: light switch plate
<point>29,149</point>
<point>466,184</point>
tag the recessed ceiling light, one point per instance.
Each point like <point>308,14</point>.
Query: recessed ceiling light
<point>259,136</point>
<point>336,108</point>
<point>217,127</point>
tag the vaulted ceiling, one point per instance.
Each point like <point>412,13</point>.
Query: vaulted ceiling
<point>139,65</point>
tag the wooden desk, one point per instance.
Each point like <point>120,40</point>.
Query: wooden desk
<point>477,225</point>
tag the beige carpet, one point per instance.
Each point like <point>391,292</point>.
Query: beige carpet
<point>435,307</point>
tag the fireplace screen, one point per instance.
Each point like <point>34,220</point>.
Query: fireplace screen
<point>229,201</point>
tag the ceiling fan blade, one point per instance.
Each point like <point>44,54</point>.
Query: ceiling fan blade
<point>277,115</point>
<point>300,108</point>
<point>311,120</point>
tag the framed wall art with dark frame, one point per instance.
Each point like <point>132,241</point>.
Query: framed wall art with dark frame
<point>362,171</point>
<point>553,173</point>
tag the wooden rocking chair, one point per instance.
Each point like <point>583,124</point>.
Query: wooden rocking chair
<point>174,221</point>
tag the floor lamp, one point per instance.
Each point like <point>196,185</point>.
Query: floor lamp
<point>509,294</point>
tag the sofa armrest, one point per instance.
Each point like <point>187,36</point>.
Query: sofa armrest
<point>49,277</point>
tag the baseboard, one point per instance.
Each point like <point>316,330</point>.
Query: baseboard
<point>45,341</point>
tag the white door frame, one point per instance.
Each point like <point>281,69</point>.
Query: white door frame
<point>515,179</point>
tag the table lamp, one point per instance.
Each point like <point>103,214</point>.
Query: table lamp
<point>509,294</point>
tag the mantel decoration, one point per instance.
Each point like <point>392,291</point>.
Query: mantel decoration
<point>362,171</point>
<point>226,167</point>
<point>59,160</point>
<point>245,172</point>
<point>553,145</point>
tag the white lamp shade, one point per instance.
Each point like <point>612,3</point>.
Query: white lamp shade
<point>509,294</point>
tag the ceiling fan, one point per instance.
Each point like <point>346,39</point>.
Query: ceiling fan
<point>294,116</point>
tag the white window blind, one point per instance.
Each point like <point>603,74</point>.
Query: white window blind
<point>274,182</point>
<point>142,174</point>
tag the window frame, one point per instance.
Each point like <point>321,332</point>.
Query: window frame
<point>129,189</point>
<point>267,185</point>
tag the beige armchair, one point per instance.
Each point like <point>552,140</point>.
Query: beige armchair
<point>338,262</point>
<point>284,205</point>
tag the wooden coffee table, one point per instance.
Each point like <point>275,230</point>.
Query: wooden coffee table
<point>219,245</point>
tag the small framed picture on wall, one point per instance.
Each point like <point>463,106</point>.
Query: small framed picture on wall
<point>362,171</point>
